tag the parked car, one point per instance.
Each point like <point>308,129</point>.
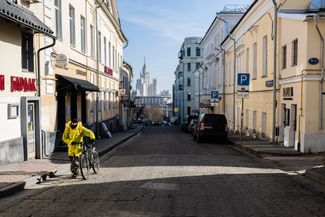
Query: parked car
<point>211,126</point>
<point>187,121</point>
<point>191,125</point>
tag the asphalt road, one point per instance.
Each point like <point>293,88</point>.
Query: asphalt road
<point>163,172</point>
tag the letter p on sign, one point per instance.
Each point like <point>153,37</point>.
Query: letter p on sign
<point>243,79</point>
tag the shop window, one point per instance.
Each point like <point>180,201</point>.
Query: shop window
<point>27,52</point>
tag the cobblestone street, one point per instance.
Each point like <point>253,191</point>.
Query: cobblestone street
<point>163,172</point>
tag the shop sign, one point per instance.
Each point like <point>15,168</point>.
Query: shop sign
<point>2,82</point>
<point>61,60</point>
<point>108,70</point>
<point>22,84</point>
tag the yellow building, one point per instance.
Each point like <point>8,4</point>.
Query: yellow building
<point>301,100</point>
<point>252,40</point>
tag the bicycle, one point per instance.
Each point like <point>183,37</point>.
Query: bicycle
<point>88,158</point>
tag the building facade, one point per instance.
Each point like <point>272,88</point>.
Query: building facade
<point>80,75</point>
<point>190,59</point>
<point>20,105</point>
<point>212,71</point>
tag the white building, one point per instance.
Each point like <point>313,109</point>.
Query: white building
<point>190,58</point>
<point>212,71</point>
<point>20,117</point>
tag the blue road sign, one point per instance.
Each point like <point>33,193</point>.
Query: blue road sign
<point>243,79</point>
<point>214,95</point>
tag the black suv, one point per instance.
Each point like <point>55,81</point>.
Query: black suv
<point>211,126</point>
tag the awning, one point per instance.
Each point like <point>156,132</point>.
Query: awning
<point>18,14</point>
<point>78,84</point>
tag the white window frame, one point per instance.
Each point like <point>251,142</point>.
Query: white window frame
<point>265,61</point>
<point>82,34</point>
<point>58,18</point>
<point>72,25</point>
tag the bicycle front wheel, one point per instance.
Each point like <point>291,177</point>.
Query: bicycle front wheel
<point>95,162</point>
<point>84,166</point>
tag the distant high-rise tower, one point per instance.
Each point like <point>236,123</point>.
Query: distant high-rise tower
<point>145,86</point>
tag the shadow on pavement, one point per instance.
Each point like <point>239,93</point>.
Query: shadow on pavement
<point>205,195</point>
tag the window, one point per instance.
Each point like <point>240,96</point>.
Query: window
<point>284,57</point>
<point>105,51</point>
<point>109,54</point>
<point>72,26</point>
<point>58,18</point>
<point>254,121</point>
<point>255,61</point>
<point>189,82</point>
<point>189,67</point>
<point>264,116</point>
<point>27,52</point>
<point>188,96</point>
<point>188,110</point>
<point>92,41</point>
<point>113,56</point>
<point>295,52</point>
<point>99,46</point>
<point>264,72</point>
<point>188,51</point>
<point>286,117</point>
<point>198,52</point>
<point>247,60</point>
<point>82,34</point>
<point>198,65</point>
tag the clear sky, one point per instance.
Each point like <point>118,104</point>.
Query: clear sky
<point>156,29</point>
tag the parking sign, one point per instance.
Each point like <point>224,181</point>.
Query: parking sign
<point>243,79</point>
<point>214,95</point>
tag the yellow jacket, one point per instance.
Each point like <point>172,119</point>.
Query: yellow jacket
<point>76,135</point>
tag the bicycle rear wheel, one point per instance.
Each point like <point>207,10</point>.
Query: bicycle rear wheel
<point>95,162</point>
<point>84,166</point>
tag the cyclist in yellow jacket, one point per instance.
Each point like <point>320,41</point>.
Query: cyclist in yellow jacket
<point>73,137</point>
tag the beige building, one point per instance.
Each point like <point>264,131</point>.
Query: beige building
<point>252,40</point>
<point>86,31</point>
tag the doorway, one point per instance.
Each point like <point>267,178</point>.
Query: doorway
<point>31,130</point>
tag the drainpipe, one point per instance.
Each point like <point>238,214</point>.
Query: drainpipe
<point>224,79</point>
<point>234,85</point>
<point>275,27</point>
<point>38,65</point>
<point>316,19</point>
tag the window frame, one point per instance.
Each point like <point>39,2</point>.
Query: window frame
<point>254,61</point>
<point>198,52</point>
<point>189,67</point>
<point>188,51</point>
<point>72,25</point>
<point>294,60</point>
<point>265,56</point>
<point>58,18</point>
<point>284,52</point>
<point>82,34</point>
<point>27,51</point>
<point>99,38</point>
<point>92,41</point>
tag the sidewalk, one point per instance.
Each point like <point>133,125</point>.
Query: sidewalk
<point>262,147</point>
<point>286,159</point>
<point>14,177</point>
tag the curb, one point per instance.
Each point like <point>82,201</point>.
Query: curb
<point>113,146</point>
<point>261,153</point>
<point>19,186</point>
<point>315,177</point>
<point>12,189</point>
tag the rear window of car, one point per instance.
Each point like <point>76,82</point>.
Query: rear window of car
<point>212,118</point>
